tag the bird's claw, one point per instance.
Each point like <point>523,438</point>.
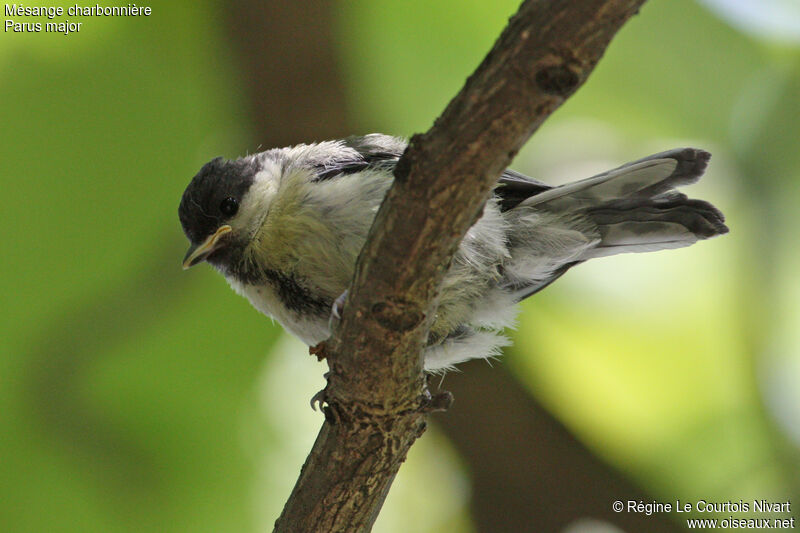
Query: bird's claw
<point>319,399</point>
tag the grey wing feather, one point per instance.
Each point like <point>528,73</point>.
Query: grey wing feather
<point>514,188</point>
<point>521,291</point>
<point>646,178</point>
<point>367,151</point>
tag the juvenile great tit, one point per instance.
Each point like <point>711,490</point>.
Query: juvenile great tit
<point>285,227</point>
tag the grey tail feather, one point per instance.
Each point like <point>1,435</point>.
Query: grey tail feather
<point>656,216</point>
<point>633,208</point>
<point>673,221</point>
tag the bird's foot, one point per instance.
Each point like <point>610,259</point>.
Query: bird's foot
<point>320,398</point>
<point>441,401</point>
<point>318,350</point>
<point>430,403</point>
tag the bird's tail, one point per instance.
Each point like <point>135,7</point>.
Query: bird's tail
<point>636,207</point>
<point>633,208</point>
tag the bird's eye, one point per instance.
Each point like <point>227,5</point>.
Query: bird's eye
<point>229,206</point>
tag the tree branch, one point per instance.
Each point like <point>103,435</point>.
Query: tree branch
<point>376,392</point>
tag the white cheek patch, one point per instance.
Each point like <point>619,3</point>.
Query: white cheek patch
<point>256,202</point>
<point>265,182</point>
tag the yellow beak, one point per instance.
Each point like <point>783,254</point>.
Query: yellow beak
<point>198,252</point>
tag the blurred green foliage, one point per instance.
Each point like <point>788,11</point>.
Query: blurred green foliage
<point>137,397</point>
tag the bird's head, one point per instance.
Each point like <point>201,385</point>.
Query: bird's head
<point>219,211</point>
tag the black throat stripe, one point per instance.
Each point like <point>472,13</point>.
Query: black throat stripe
<point>295,296</point>
<point>289,288</point>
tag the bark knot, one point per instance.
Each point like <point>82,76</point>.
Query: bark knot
<point>558,80</point>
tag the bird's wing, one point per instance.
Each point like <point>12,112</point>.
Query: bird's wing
<point>368,151</point>
<point>514,188</point>
<point>382,152</point>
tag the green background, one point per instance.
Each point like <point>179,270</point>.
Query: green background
<point>135,396</point>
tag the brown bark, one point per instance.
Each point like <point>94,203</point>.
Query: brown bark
<point>376,395</point>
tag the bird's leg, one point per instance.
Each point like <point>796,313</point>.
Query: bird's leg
<point>336,315</point>
<point>321,398</point>
<point>337,309</point>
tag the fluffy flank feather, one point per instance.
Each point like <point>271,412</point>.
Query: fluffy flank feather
<point>463,347</point>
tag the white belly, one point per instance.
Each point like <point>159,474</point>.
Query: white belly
<point>311,331</point>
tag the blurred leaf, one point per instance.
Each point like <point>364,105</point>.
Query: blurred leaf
<point>120,371</point>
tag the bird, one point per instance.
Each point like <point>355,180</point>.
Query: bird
<point>285,227</point>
